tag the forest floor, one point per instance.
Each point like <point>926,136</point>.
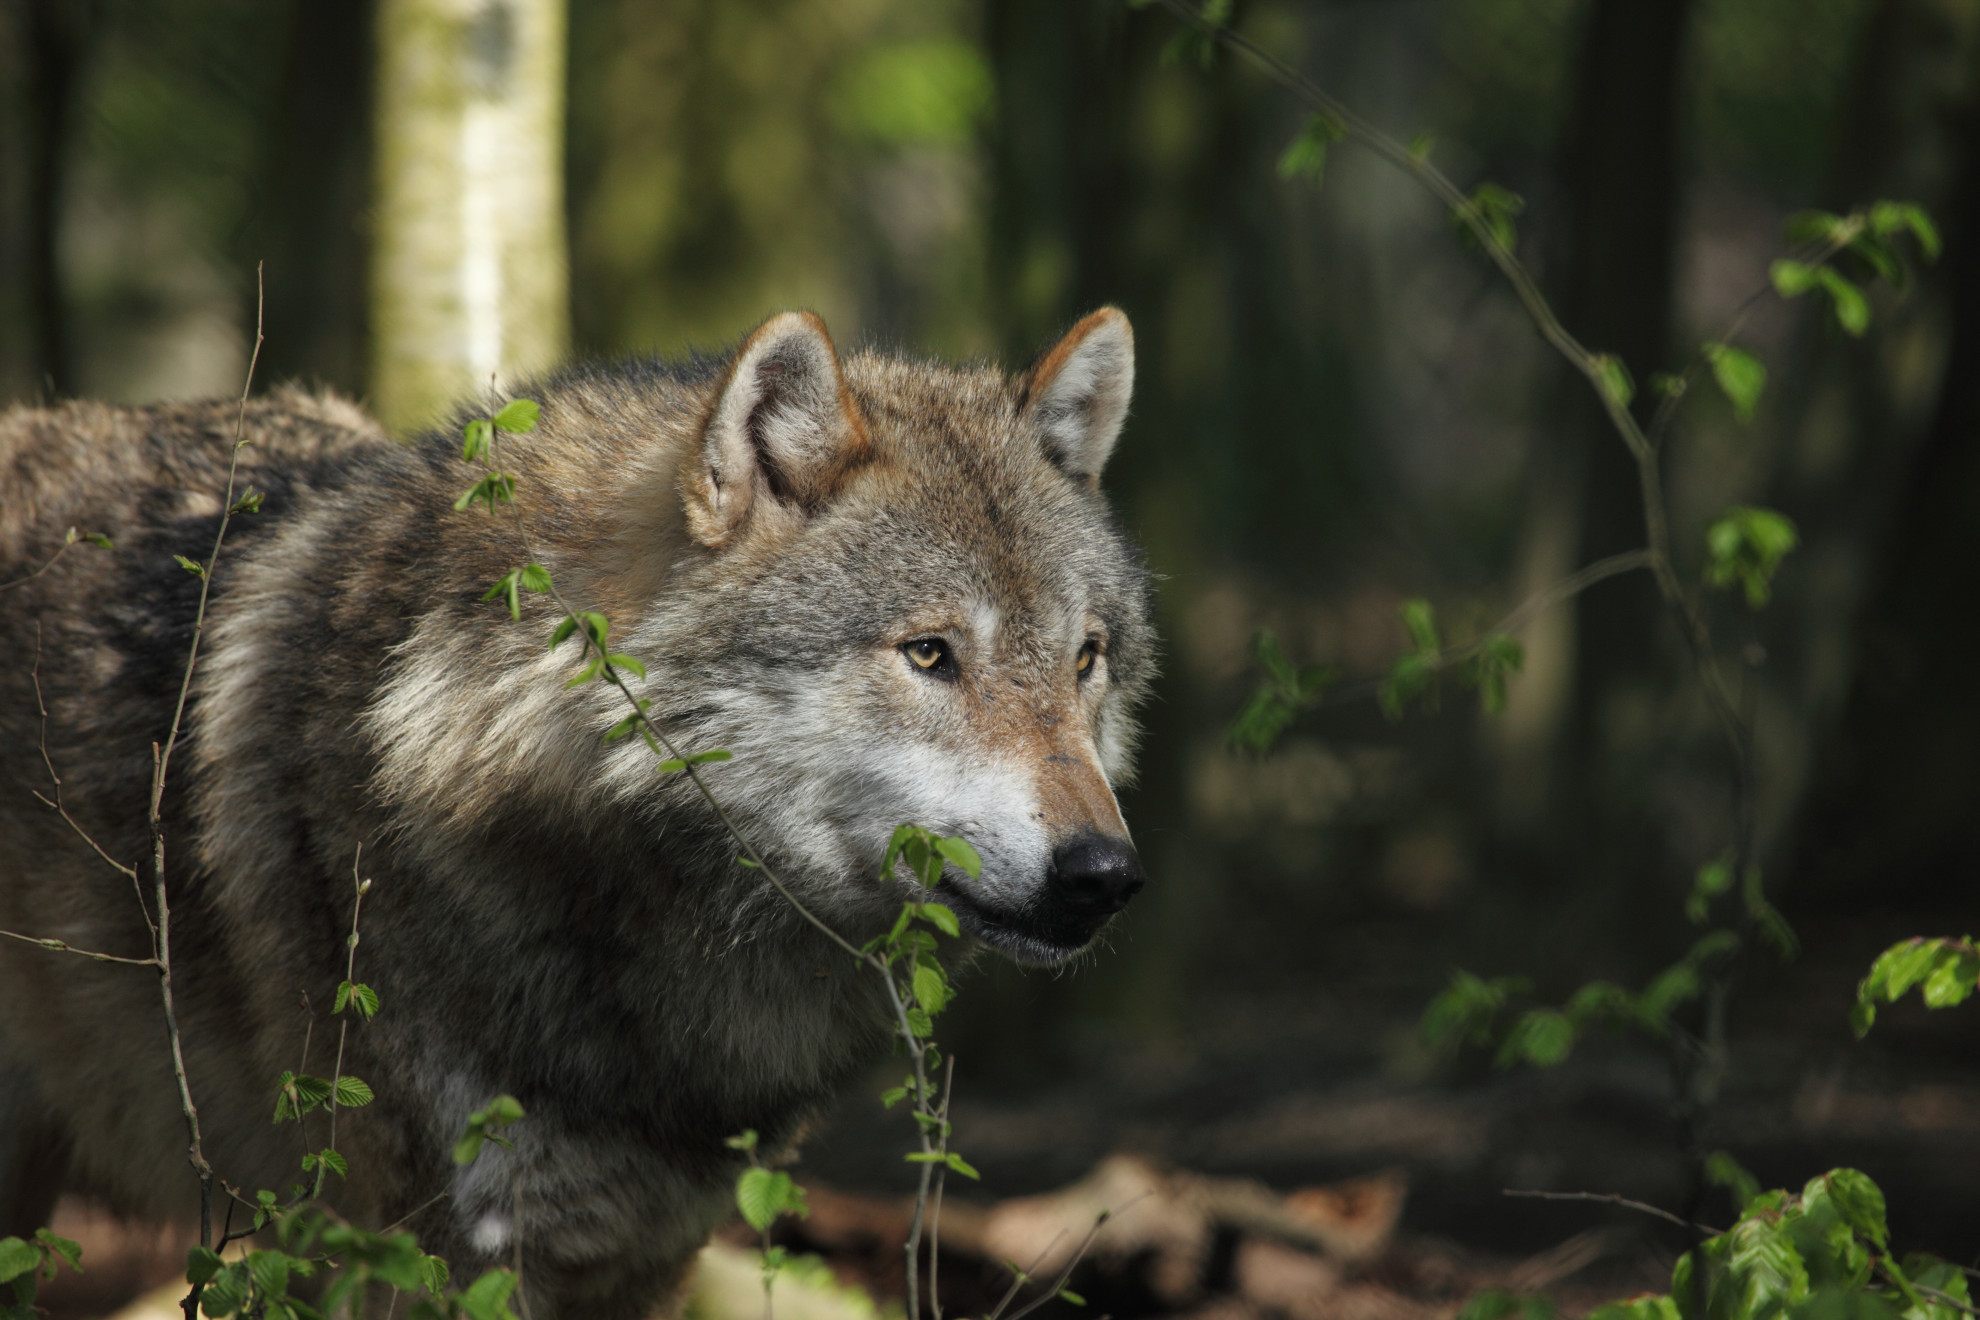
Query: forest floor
<point>1297,1159</point>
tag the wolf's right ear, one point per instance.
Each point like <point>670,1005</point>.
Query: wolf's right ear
<point>784,427</point>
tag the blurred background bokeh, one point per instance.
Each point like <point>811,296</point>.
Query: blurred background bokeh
<point>1338,407</point>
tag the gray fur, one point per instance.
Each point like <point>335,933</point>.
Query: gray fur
<point>551,917</point>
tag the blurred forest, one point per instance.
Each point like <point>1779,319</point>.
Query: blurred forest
<point>1339,407</point>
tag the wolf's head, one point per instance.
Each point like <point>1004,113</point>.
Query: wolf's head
<point>902,598</point>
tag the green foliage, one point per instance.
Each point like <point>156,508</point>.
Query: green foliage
<point>1306,156</point>
<point>1282,695</point>
<point>1196,42</point>
<point>919,93</point>
<point>1497,658</point>
<point>1746,546</point>
<point>927,854</point>
<point>191,566</point>
<point>493,488</point>
<point>486,1124</point>
<point>1495,1304</point>
<point>1613,379</point>
<point>528,577</point>
<point>360,999</point>
<point>764,1194</point>
<point>1740,375</point>
<point>1413,676</point>
<point>1493,209</point>
<point>1944,971</point>
<point>26,1262</point>
<point>297,1094</point>
<point>1473,1011</point>
<point>1822,1252</point>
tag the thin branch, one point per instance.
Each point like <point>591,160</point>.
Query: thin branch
<point>941,1181</point>
<point>1610,1198</point>
<point>350,978</point>
<point>55,803</point>
<point>161,760</point>
<point>72,538</point>
<point>62,946</point>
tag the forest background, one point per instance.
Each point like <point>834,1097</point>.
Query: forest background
<point>1339,407</point>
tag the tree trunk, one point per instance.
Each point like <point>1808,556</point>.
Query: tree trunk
<point>470,271</point>
<point>1620,177</point>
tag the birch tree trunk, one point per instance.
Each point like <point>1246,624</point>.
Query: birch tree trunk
<point>469,274</point>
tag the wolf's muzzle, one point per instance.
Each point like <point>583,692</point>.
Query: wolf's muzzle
<point>1094,876</point>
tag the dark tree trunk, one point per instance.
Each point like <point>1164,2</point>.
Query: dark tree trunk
<point>316,180</point>
<point>58,34</point>
<point>1893,820</point>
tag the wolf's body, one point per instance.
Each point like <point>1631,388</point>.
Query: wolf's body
<point>890,588</point>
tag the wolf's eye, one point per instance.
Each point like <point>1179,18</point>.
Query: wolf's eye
<point>931,656</point>
<point>1084,665</point>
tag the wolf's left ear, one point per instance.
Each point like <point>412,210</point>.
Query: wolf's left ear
<point>1077,393</point>
<point>784,428</point>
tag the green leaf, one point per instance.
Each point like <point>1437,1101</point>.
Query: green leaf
<point>746,1140</point>
<point>1498,657</point>
<point>1791,279</point>
<point>962,1166</point>
<point>487,1298</point>
<point>249,503</point>
<point>1421,621</point>
<point>270,1270</point>
<point>1888,218</point>
<point>1542,1037</point>
<point>1410,678</point>
<point>1851,307</point>
<point>1467,1008</point>
<point>353,1093</point>
<point>433,1273</point>
<point>1068,1295</point>
<point>1494,207</point>
<point>475,440</point>
<point>1722,1170</point>
<point>335,1162</point>
<point>517,415</point>
<point>1280,698</point>
<point>1420,146</point>
<point>959,851</point>
<point>1713,879</point>
<point>494,488</point>
<point>17,1258</point>
<point>61,1248</point>
<point>763,1194</point>
<point>1612,378</point>
<point>1306,157</point>
<point>562,632</point>
<point>627,663</point>
<point>931,988</point>
<point>1817,227</point>
<point>892,1096</point>
<point>942,917</point>
<point>485,1124</point>
<point>1740,376</point>
<point>630,722</point>
<point>198,570</point>
<point>1746,547</point>
<point>1861,1203</point>
<point>202,1263</point>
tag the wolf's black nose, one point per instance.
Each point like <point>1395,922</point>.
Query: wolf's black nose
<point>1097,873</point>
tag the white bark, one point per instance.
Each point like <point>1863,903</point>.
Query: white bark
<point>470,276</point>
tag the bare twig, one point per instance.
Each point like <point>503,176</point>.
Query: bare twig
<point>56,803</point>
<point>62,946</point>
<point>1610,1198</point>
<point>72,538</point>
<point>161,761</point>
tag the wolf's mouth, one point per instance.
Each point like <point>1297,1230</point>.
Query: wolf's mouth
<point>1025,935</point>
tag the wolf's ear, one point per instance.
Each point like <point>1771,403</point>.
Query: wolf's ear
<point>1077,393</point>
<point>783,428</point>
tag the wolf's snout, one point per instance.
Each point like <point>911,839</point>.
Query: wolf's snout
<point>1097,874</point>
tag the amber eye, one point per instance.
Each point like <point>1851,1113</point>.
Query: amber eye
<point>930,655</point>
<point>1084,665</point>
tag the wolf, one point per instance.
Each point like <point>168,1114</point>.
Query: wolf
<point>892,589</point>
